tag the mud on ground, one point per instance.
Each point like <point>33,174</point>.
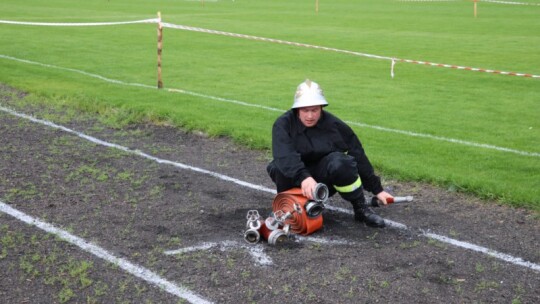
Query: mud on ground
<point>138,209</point>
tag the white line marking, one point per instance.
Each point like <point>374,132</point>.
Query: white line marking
<point>321,240</point>
<point>501,256</point>
<point>137,152</point>
<point>390,223</point>
<point>447,139</point>
<point>493,253</point>
<point>256,251</point>
<point>133,269</point>
<point>241,103</point>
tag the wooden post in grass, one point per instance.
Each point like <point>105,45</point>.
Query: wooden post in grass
<point>159,49</point>
<point>317,6</point>
<point>475,7</point>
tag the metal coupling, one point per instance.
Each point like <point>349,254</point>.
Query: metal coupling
<point>314,208</point>
<point>252,236</point>
<point>253,225</point>
<point>321,193</point>
<point>277,236</point>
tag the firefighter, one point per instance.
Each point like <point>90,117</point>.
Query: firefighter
<point>310,146</point>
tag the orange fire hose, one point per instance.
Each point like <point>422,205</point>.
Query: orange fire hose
<point>299,222</point>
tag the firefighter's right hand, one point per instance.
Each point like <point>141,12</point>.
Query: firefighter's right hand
<point>308,186</point>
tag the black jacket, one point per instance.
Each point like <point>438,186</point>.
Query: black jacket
<point>294,147</point>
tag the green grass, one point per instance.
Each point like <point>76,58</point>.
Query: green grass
<point>473,107</point>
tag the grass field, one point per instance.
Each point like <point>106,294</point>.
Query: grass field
<point>468,131</point>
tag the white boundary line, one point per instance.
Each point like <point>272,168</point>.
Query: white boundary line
<point>256,251</point>
<point>441,238</point>
<point>241,103</point>
<point>131,268</point>
<point>137,152</point>
<point>505,257</point>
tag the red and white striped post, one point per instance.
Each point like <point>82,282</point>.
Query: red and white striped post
<point>159,50</point>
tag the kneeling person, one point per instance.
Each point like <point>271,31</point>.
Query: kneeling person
<point>310,146</point>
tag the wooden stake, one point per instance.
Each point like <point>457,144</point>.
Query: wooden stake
<point>475,1</point>
<point>159,49</point>
<point>317,6</point>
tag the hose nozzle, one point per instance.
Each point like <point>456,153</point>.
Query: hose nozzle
<point>314,209</point>
<point>396,199</point>
<point>321,193</point>
<point>252,236</point>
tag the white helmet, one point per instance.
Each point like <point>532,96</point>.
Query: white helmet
<point>308,94</point>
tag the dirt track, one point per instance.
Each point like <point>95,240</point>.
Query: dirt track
<point>138,209</point>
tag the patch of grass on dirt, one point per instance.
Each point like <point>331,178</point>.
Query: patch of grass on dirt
<point>48,261</point>
<point>27,192</point>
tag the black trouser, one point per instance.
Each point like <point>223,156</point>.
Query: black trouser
<point>335,169</point>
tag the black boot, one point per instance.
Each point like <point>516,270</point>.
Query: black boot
<point>363,213</point>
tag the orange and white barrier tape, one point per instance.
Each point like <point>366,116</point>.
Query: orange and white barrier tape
<point>451,66</point>
<point>155,20</point>
<point>492,1</point>
<point>393,60</point>
<point>510,2</point>
<point>250,37</point>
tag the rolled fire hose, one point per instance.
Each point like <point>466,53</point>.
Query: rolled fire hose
<point>297,205</point>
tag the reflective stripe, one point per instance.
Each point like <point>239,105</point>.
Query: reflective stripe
<point>349,188</point>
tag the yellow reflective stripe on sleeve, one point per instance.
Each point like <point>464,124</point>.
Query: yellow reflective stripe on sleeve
<point>349,188</point>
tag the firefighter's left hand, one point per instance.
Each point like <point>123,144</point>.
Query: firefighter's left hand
<point>383,196</point>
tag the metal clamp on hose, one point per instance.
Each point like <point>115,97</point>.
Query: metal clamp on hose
<point>252,236</point>
<point>253,224</point>
<point>314,208</point>
<point>321,193</point>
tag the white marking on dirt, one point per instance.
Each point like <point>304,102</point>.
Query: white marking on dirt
<point>136,270</point>
<point>237,181</point>
<point>256,251</point>
<point>388,222</point>
<point>320,240</point>
<point>137,152</point>
<point>241,103</point>
<point>493,253</point>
